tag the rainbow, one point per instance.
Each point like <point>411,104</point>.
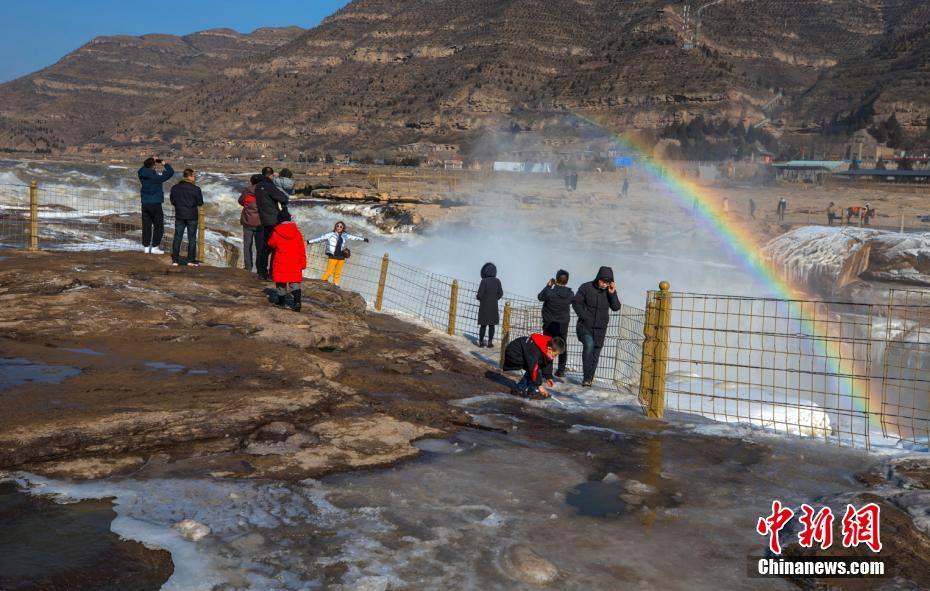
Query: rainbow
<point>740,241</point>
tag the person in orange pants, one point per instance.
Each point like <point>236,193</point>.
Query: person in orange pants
<point>336,251</point>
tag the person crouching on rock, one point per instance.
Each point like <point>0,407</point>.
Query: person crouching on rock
<point>336,251</point>
<point>534,355</point>
<point>289,262</point>
<point>490,291</point>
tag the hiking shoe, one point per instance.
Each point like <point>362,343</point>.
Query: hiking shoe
<point>560,373</point>
<point>193,263</point>
<point>175,264</point>
<point>156,250</point>
<point>147,249</point>
<point>587,383</point>
<point>481,344</point>
<point>490,345</point>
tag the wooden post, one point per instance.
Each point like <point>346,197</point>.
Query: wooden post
<point>201,234</point>
<point>655,351</point>
<point>379,299</point>
<point>34,215</point>
<point>902,223</point>
<point>453,306</point>
<point>505,331</point>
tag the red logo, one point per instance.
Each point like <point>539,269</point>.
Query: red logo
<point>859,526</point>
<point>771,525</point>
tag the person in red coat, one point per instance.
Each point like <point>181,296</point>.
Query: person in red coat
<point>290,260</point>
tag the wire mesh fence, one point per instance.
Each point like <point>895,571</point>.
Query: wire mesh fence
<point>75,218</point>
<point>905,387</point>
<point>792,366</point>
<point>809,368</point>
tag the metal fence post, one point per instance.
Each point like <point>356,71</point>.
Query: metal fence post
<point>655,351</point>
<point>379,299</point>
<point>34,215</point>
<point>505,332</point>
<point>453,306</point>
<point>201,234</point>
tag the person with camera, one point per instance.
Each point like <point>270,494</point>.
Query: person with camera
<point>593,303</point>
<point>153,175</point>
<point>336,251</point>
<point>557,312</point>
<point>270,201</point>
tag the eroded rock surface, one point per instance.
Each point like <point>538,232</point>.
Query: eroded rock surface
<point>192,369</point>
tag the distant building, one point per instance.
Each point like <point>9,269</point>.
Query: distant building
<point>808,171</point>
<point>864,149</point>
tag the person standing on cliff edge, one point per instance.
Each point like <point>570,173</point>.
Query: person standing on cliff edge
<point>270,201</point>
<point>593,302</point>
<point>152,175</point>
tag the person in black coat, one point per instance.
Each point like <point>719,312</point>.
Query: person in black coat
<point>557,312</point>
<point>271,201</point>
<point>533,354</point>
<point>593,303</point>
<point>489,293</point>
<point>186,197</point>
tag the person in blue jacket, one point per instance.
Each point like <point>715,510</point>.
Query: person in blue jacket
<point>153,195</point>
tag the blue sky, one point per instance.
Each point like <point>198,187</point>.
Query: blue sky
<point>39,32</point>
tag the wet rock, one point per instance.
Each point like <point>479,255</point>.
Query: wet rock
<point>398,368</point>
<point>637,488</point>
<point>523,564</point>
<point>192,530</point>
<point>275,431</point>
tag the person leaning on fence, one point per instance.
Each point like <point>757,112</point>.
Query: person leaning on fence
<point>336,251</point>
<point>271,201</point>
<point>186,197</point>
<point>557,312</point>
<point>289,262</point>
<point>592,303</point>
<point>153,196</point>
<point>534,355</point>
<point>253,234</point>
<point>490,292</point>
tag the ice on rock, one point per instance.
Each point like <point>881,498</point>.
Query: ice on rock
<point>192,530</point>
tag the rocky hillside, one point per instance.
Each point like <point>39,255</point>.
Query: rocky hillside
<point>90,89</point>
<point>379,74</point>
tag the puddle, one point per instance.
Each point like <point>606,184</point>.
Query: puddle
<point>46,545</point>
<point>175,368</point>
<point>597,499</point>
<point>83,351</point>
<point>162,366</point>
<point>437,446</point>
<point>331,349</point>
<point>17,371</point>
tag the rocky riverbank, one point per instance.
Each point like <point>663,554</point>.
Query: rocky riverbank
<point>115,361</point>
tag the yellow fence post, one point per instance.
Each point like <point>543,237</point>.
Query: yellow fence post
<point>201,234</point>
<point>34,215</point>
<point>379,299</point>
<point>505,331</point>
<point>655,351</point>
<point>453,306</point>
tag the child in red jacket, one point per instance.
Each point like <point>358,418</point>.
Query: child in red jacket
<point>290,260</point>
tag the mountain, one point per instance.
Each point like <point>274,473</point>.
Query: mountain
<point>89,90</point>
<point>891,76</point>
<point>379,73</point>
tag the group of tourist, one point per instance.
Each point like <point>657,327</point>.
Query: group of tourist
<point>535,354</point>
<point>274,248</point>
<point>272,244</point>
